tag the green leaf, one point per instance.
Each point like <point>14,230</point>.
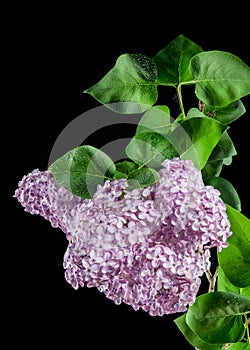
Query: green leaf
<point>193,338</point>
<point>227,161</point>
<point>82,169</point>
<point>143,177</point>
<point>150,149</point>
<point>211,169</point>
<point>245,291</point>
<point>124,168</point>
<point>228,193</point>
<point>227,114</point>
<point>224,285</point>
<point>224,149</point>
<point>235,259</point>
<point>239,346</point>
<point>202,135</point>
<point>130,86</point>
<point>173,61</point>
<point>156,119</point>
<point>137,177</point>
<point>221,154</point>
<point>195,113</point>
<point>217,317</point>
<point>220,77</point>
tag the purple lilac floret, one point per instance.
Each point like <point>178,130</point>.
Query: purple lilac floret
<point>145,247</point>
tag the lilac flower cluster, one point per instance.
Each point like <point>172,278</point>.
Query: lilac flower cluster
<point>145,247</point>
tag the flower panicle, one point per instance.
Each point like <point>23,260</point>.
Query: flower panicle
<point>148,247</point>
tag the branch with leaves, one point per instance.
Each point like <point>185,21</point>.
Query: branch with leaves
<point>141,229</point>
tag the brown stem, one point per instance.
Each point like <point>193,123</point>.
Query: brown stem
<point>212,279</point>
<point>201,106</point>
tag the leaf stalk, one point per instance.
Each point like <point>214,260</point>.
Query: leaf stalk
<point>179,94</point>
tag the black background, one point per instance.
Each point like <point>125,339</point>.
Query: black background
<point>43,83</point>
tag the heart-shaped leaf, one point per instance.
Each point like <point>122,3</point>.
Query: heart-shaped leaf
<point>193,338</point>
<point>130,86</point>
<point>150,149</point>
<point>220,77</point>
<point>217,317</point>
<point>202,135</point>
<point>82,169</point>
<point>156,119</point>
<point>173,61</point>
